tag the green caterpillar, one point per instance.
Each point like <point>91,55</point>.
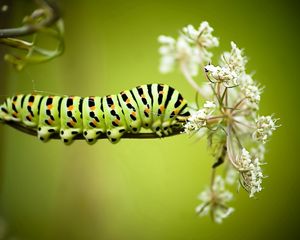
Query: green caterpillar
<point>157,107</point>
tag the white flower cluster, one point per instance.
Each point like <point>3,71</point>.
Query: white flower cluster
<point>265,126</point>
<point>222,74</point>
<point>229,116</point>
<point>235,60</point>
<point>189,50</point>
<point>203,38</point>
<point>231,67</point>
<point>252,92</point>
<point>251,173</point>
<point>199,119</point>
<point>180,50</point>
<point>215,201</point>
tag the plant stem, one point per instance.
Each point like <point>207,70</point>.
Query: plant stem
<point>52,15</point>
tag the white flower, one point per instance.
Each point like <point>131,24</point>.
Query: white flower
<point>245,80</point>
<point>199,118</point>
<point>236,61</point>
<point>222,74</point>
<point>265,126</point>
<point>178,51</point>
<point>166,40</point>
<point>188,55</point>
<point>190,127</point>
<point>251,173</point>
<point>202,36</point>
<point>209,104</point>
<point>191,33</point>
<point>252,92</point>
<point>167,51</point>
<point>215,201</point>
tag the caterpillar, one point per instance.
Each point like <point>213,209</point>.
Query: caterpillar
<point>157,107</point>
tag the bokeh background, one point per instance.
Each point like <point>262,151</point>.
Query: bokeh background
<point>147,189</point>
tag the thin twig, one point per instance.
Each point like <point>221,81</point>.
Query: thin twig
<point>33,132</point>
<point>53,14</point>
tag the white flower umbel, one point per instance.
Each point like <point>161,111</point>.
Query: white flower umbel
<point>189,50</point>
<point>232,66</point>
<point>265,125</point>
<point>222,74</point>
<point>180,51</point>
<point>251,173</point>
<point>202,38</point>
<point>214,200</point>
<point>236,60</point>
<point>252,93</point>
<point>229,117</point>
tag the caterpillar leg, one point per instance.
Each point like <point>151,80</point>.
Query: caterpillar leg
<point>157,128</point>
<point>114,135</point>
<point>91,135</point>
<point>45,132</point>
<point>167,128</point>
<point>67,135</point>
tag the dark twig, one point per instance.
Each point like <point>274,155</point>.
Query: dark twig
<point>33,132</point>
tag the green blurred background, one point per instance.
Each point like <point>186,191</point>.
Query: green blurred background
<point>147,189</point>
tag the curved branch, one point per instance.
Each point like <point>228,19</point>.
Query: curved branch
<point>52,15</point>
<point>33,132</point>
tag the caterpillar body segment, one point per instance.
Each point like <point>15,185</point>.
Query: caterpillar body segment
<point>49,116</point>
<point>93,118</point>
<point>157,107</point>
